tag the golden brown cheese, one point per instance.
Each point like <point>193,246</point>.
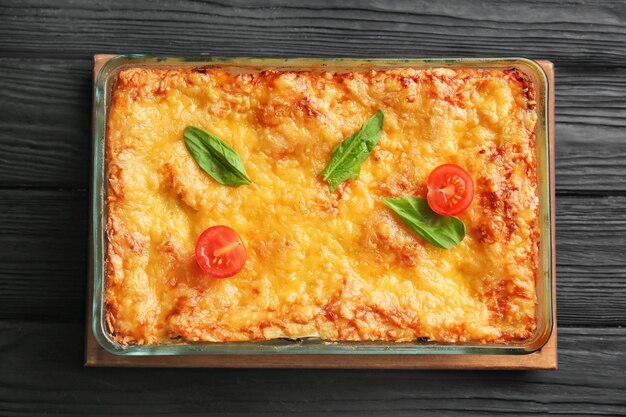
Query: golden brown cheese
<point>339,266</point>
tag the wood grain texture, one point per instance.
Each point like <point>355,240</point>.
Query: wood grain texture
<point>45,117</point>
<point>43,253</point>
<point>572,33</point>
<point>42,371</point>
<point>590,131</point>
<point>45,60</point>
<point>45,120</point>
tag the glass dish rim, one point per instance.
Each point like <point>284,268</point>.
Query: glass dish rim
<point>316,346</point>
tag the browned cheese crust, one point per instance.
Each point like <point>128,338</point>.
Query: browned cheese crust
<point>339,266</point>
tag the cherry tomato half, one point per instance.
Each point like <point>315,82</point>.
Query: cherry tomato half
<point>450,190</point>
<point>220,252</point>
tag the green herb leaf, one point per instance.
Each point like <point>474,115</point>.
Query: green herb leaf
<point>347,157</point>
<point>442,231</point>
<point>215,157</point>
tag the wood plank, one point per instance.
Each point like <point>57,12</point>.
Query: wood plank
<point>42,371</point>
<point>43,252</point>
<point>45,119</point>
<point>590,141</point>
<point>571,33</point>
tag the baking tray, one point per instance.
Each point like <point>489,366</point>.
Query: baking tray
<point>101,350</point>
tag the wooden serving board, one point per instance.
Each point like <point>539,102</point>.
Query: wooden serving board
<point>546,358</point>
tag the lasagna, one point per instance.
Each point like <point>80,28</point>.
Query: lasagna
<point>337,266</point>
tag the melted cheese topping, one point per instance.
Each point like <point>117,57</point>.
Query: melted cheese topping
<point>337,266</point>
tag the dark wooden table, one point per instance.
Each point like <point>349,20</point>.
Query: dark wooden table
<point>45,103</point>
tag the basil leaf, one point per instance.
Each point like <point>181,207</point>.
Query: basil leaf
<point>215,157</point>
<point>442,231</point>
<point>347,157</point>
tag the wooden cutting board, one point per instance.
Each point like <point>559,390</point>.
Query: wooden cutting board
<point>546,358</point>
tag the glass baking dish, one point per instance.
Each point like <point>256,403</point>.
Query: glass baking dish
<point>104,84</point>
